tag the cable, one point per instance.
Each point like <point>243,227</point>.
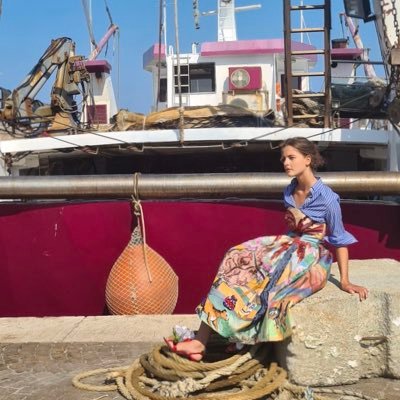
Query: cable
<point>108,12</point>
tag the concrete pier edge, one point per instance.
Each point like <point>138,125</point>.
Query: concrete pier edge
<point>323,351</point>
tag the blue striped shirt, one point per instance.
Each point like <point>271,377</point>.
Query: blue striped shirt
<point>322,205</point>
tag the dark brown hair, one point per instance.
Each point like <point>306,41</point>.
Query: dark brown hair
<point>307,148</point>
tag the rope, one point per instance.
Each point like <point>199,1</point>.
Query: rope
<point>76,381</point>
<point>138,211</point>
<point>181,124</point>
<point>163,375</point>
<point>189,385</point>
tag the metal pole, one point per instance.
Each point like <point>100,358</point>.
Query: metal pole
<point>178,53</point>
<point>193,186</point>
<point>288,92</point>
<point>327,66</point>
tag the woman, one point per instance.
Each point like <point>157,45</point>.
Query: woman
<point>260,280</point>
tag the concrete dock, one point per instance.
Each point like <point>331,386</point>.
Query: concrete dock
<point>39,356</point>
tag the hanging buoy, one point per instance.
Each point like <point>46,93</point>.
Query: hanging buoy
<point>141,281</point>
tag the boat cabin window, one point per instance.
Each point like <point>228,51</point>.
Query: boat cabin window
<point>202,77</point>
<point>163,90</point>
<point>296,83</point>
<point>184,78</point>
<point>196,78</point>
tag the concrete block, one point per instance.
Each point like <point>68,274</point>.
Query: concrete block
<point>323,349</point>
<point>371,335</point>
<point>394,335</point>
<point>337,339</point>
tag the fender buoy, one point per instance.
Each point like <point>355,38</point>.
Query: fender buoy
<point>141,283</point>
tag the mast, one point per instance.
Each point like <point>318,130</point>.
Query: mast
<point>87,8</point>
<point>226,18</point>
<point>226,21</point>
<point>302,24</point>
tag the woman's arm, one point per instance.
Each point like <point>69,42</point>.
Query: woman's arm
<point>342,257</point>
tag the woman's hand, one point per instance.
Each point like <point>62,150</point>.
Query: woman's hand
<point>355,289</point>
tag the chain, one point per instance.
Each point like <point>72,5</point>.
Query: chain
<point>394,77</point>
<point>395,70</point>
<point>385,36</point>
<point>395,21</point>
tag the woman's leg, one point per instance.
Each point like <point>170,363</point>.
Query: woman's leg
<point>203,334</point>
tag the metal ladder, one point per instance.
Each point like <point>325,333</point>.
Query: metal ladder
<point>289,53</point>
<point>185,79</point>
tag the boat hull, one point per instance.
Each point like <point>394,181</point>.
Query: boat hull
<point>56,257</point>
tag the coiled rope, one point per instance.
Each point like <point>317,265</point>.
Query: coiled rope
<point>163,375</point>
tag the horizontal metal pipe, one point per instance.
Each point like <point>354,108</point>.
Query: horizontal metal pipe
<point>196,186</point>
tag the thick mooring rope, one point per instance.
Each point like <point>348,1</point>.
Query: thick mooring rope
<point>163,375</point>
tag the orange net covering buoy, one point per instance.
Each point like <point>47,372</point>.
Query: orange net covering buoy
<point>141,281</point>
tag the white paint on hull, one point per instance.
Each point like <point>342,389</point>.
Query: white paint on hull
<point>201,136</point>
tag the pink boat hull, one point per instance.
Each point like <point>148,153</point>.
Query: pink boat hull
<point>56,257</point>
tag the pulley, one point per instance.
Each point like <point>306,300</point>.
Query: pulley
<point>376,97</point>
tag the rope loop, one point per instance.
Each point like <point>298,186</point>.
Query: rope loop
<point>181,124</point>
<point>140,230</point>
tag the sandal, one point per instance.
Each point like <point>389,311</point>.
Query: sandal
<point>234,347</point>
<point>190,356</point>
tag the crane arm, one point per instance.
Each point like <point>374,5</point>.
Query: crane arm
<point>368,68</point>
<point>55,55</point>
<point>20,107</point>
<point>111,30</point>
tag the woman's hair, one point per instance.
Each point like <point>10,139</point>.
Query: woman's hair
<point>307,148</point>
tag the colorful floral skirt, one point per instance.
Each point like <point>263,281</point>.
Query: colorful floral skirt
<point>259,281</point>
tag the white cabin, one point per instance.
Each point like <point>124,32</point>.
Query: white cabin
<point>247,73</point>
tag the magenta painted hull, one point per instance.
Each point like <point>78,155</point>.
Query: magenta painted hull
<point>56,257</point>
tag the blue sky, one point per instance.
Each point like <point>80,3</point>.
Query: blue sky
<point>27,27</point>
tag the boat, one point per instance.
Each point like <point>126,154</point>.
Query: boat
<point>222,108</point>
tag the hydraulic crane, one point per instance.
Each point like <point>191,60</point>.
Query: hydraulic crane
<point>23,115</point>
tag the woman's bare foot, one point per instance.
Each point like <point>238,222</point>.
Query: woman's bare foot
<point>191,349</point>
